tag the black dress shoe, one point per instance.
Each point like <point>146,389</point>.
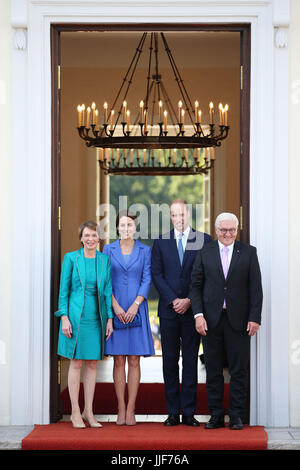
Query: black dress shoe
<point>190,421</point>
<point>172,420</point>
<point>215,422</point>
<point>235,423</point>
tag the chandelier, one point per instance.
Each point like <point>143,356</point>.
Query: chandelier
<point>158,139</point>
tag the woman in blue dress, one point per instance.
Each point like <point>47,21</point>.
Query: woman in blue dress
<point>84,306</point>
<point>131,279</point>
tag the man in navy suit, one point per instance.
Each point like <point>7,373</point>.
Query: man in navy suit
<point>173,256</point>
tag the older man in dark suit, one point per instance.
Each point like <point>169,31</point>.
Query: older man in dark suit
<point>173,255</point>
<point>226,296</point>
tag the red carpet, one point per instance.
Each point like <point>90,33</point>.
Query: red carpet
<point>143,436</point>
<point>150,399</point>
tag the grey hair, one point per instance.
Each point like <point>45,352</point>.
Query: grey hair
<point>226,216</point>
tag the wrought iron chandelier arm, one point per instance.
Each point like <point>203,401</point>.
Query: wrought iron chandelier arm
<point>133,65</point>
<point>179,80</point>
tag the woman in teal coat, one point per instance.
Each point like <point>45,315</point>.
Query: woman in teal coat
<point>84,306</point>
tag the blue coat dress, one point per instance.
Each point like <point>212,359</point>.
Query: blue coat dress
<point>73,299</point>
<point>130,279</point>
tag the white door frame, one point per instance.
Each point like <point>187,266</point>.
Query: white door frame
<point>31,20</point>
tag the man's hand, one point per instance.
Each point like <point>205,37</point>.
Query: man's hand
<point>181,305</point>
<point>201,325</point>
<point>252,328</point>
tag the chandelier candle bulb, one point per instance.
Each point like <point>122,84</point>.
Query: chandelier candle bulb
<point>179,110</point>
<point>226,114</point>
<point>221,114</point>
<point>82,114</point>
<point>199,116</point>
<point>142,110</point>
<point>174,156</point>
<point>212,153</point>
<point>182,119</point>
<point>93,112</point>
<point>88,113</point>
<point>79,115</point>
<point>124,111</point>
<point>165,120</point>
<point>105,106</point>
<point>211,112</point>
<point>196,110</point>
<point>112,113</point>
<point>118,155</point>
<point>146,122</point>
<point>160,104</point>
<point>128,119</point>
<point>96,117</point>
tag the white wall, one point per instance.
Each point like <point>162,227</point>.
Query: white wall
<point>294,216</point>
<point>5,209</point>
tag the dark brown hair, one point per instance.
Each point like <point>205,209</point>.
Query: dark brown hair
<point>88,224</point>
<point>124,213</point>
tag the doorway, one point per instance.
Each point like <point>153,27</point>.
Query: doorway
<point>78,184</point>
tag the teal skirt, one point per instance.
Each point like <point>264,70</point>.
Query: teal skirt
<point>88,346</point>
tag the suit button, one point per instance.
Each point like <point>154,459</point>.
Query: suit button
<point>225,288</point>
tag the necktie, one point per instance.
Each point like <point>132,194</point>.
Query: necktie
<point>224,259</point>
<point>180,248</point>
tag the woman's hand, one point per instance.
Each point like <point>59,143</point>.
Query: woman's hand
<point>118,310</point>
<point>131,313</point>
<point>121,314</point>
<point>109,328</point>
<point>66,326</point>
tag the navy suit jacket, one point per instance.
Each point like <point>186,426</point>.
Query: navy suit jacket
<point>171,279</point>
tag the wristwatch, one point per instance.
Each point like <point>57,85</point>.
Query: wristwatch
<point>137,302</point>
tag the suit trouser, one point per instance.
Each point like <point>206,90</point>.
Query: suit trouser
<point>176,333</point>
<point>219,344</point>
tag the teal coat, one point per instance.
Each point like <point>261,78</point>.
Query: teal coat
<point>71,297</point>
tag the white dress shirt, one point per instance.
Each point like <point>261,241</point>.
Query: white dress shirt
<point>221,246</point>
<point>185,236</point>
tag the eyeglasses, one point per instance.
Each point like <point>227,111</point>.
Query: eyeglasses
<point>231,231</point>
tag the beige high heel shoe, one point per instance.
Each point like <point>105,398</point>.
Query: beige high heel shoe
<point>130,420</point>
<point>94,424</point>
<point>77,425</point>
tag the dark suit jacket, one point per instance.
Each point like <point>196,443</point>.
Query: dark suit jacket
<point>170,278</point>
<point>241,289</point>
